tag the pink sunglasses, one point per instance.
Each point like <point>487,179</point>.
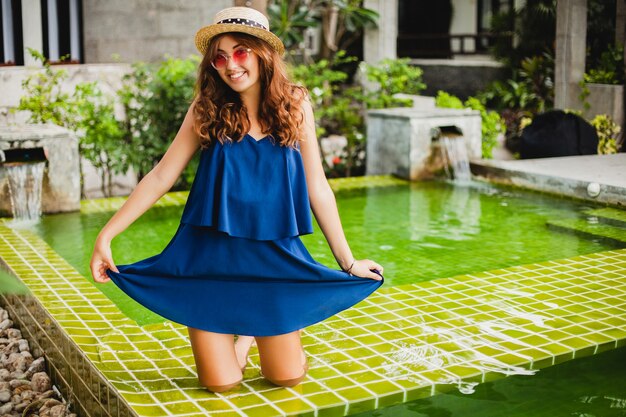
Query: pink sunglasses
<point>239,57</point>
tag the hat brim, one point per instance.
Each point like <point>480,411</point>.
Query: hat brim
<point>205,34</point>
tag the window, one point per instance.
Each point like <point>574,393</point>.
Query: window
<point>486,10</point>
<point>11,49</point>
<point>61,20</point>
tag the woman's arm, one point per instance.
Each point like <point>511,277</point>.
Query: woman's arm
<point>324,204</point>
<point>156,183</point>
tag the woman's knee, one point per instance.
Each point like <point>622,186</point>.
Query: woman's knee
<point>290,382</point>
<point>219,388</point>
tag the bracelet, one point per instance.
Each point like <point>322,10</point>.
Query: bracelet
<point>350,269</point>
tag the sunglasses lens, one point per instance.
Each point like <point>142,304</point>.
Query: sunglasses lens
<point>219,61</point>
<point>240,56</point>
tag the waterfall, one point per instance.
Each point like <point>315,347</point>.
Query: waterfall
<point>454,151</point>
<point>25,182</point>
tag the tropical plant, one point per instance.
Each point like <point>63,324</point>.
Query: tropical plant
<point>531,88</point>
<point>533,25</point>
<point>341,22</point>
<point>609,68</point>
<point>289,21</point>
<point>608,132</point>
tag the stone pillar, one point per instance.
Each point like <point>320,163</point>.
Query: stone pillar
<point>381,42</point>
<point>31,30</point>
<point>571,32</point>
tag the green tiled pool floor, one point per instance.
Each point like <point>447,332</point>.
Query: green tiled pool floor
<point>604,223</point>
<point>401,344</point>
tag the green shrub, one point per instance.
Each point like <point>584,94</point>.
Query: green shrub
<point>87,111</point>
<point>448,101</point>
<point>610,68</point>
<point>156,99</point>
<point>492,124</point>
<point>101,134</point>
<point>43,98</point>
<point>340,106</point>
<point>607,131</point>
<point>393,76</point>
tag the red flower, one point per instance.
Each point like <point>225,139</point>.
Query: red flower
<point>336,160</point>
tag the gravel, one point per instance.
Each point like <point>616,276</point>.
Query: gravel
<point>25,387</point>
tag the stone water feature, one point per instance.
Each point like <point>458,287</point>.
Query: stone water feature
<point>60,180</point>
<point>409,142</point>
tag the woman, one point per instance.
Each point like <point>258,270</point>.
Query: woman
<point>236,265</point>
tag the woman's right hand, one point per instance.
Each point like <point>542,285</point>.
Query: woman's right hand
<point>101,260</point>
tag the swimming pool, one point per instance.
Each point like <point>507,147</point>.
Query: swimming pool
<point>420,232</point>
<point>417,231</point>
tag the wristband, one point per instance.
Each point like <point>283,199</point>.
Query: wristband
<point>350,269</point>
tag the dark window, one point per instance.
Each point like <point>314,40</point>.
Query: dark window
<point>62,30</point>
<point>424,28</point>
<point>11,45</point>
<point>486,10</point>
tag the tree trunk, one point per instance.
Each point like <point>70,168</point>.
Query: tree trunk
<point>330,22</point>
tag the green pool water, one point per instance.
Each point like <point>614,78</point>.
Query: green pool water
<point>594,386</point>
<point>417,231</point>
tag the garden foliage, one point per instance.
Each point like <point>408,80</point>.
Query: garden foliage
<point>492,124</point>
<point>87,111</point>
<point>607,131</point>
<point>340,105</point>
<point>156,99</point>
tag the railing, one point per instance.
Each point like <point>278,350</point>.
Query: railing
<point>445,45</point>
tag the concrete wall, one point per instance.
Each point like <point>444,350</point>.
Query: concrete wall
<point>109,78</point>
<point>462,76</point>
<point>137,30</point>
<point>606,99</point>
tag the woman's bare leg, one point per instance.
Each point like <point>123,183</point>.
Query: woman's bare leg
<point>216,359</point>
<point>242,347</point>
<point>283,361</point>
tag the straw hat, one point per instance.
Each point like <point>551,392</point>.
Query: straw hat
<point>238,19</point>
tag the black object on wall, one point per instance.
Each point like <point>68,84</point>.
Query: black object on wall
<point>557,133</point>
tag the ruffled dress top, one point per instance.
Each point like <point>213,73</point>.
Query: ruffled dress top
<point>236,264</point>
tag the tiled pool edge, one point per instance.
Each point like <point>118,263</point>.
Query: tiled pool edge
<point>63,357</point>
<point>393,313</point>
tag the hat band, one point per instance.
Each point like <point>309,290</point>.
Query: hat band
<point>246,22</point>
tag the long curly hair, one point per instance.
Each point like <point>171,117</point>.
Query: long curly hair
<point>219,112</point>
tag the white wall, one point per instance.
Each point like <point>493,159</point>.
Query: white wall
<point>464,21</point>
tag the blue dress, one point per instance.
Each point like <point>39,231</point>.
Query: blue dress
<point>236,264</point>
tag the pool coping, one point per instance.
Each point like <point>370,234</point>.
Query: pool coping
<point>563,176</point>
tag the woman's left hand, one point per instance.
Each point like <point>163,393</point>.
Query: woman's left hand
<point>364,268</point>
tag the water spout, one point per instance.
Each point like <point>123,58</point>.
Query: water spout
<point>24,168</point>
<point>25,190</point>
<point>454,150</point>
